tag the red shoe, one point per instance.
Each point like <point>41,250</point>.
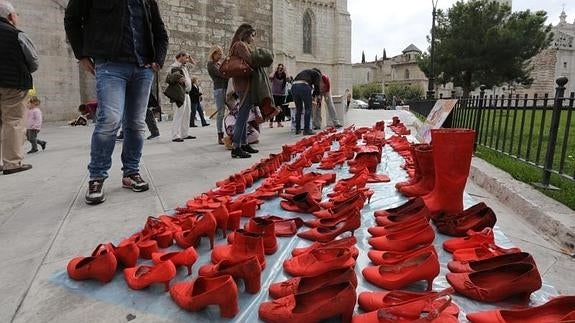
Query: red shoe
<point>482,252</point>
<point>204,225</point>
<point>127,253</point>
<point>246,245</point>
<point>101,265</point>
<point>354,201</point>
<point>559,309</point>
<point>473,239</point>
<point>489,263</point>
<point>319,261</point>
<point>248,269</point>
<point>476,218</point>
<point>155,229</point>
<point>383,230</point>
<point>497,284</point>
<point>143,276</point>
<point>421,267</point>
<point>185,257</point>
<point>372,301</point>
<point>408,207</point>
<point>196,295</point>
<point>325,234</point>
<point>347,242</point>
<point>379,258</point>
<point>285,227</point>
<point>302,203</point>
<point>404,240</point>
<point>418,211</point>
<point>315,306</point>
<point>335,219</point>
<point>301,285</point>
<point>434,310</point>
<point>266,228</point>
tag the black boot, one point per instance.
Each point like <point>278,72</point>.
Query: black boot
<point>239,153</point>
<point>220,138</point>
<point>249,149</point>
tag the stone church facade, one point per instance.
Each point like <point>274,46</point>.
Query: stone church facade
<point>301,34</point>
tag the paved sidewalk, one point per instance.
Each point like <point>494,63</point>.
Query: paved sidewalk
<point>44,221</point>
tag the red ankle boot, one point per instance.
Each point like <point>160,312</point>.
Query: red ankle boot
<point>247,269</point>
<point>246,245</point>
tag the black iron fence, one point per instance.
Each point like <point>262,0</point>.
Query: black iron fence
<point>537,130</point>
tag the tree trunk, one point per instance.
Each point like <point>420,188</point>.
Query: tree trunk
<point>467,84</point>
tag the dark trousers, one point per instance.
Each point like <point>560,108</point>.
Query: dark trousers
<point>197,107</point>
<point>151,123</point>
<point>302,98</point>
<point>32,136</point>
<point>279,101</point>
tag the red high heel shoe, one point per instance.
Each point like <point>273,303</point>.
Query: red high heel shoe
<point>482,252</point>
<point>325,234</point>
<point>247,269</point>
<point>300,285</point>
<point>143,276</point>
<point>372,301</point>
<point>497,284</point>
<point>245,245</point>
<point>379,257</point>
<point>335,219</point>
<point>346,242</point>
<point>155,229</point>
<point>205,225</point>
<point>195,295</point>
<point>382,230</point>
<point>404,240</point>
<point>489,263</point>
<point>473,239</point>
<point>432,311</point>
<point>101,265</point>
<point>421,267</point>
<point>414,212</point>
<point>559,309</point>
<point>408,207</point>
<point>315,306</point>
<point>127,253</point>
<point>354,201</point>
<point>319,261</point>
<point>185,257</point>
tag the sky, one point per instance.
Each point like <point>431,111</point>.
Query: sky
<point>394,24</point>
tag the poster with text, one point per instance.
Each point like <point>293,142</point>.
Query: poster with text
<point>435,119</point>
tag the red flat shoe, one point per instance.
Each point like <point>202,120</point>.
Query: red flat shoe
<point>431,311</point>
<point>489,263</point>
<point>482,252</point>
<point>346,242</point>
<point>186,257</point>
<point>247,269</point>
<point>414,212</point>
<point>315,306</point>
<point>246,245</point>
<point>379,257</point>
<point>196,295</point>
<point>421,267</point>
<point>559,309</point>
<point>101,265</point>
<point>143,276</point>
<point>472,240</point>
<point>406,240</point>
<point>372,301</point>
<point>476,218</point>
<point>325,234</point>
<point>300,285</point>
<point>319,261</point>
<point>382,230</point>
<point>497,284</point>
<point>407,207</point>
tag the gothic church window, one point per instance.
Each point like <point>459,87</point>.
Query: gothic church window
<point>407,74</point>
<point>307,32</point>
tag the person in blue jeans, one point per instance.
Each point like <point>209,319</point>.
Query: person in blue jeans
<point>305,85</point>
<point>220,88</point>
<point>122,43</point>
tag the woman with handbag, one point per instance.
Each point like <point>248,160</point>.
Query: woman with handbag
<point>240,48</point>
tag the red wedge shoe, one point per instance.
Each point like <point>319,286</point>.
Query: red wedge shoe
<point>247,269</point>
<point>497,284</point>
<point>318,262</point>
<point>196,295</point>
<point>473,239</point>
<point>101,265</point>
<point>421,267</point>
<point>143,276</point>
<point>320,304</point>
<point>559,309</point>
<point>300,285</point>
<point>489,263</point>
<point>186,257</point>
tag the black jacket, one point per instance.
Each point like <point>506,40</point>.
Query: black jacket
<point>95,28</point>
<point>311,77</point>
<point>14,72</point>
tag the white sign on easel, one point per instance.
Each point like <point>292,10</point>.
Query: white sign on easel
<point>435,119</point>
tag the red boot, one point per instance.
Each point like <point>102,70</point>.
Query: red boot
<point>246,245</point>
<point>247,269</point>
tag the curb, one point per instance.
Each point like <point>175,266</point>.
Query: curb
<point>551,218</point>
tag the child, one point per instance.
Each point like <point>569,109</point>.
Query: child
<point>34,123</point>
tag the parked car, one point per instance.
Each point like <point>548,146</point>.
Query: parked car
<point>377,101</point>
<point>358,104</point>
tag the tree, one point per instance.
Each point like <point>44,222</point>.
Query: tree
<point>363,91</point>
<point>376,57</point>
<point>384,55</point>
<point>362,57</point>
<point>482,42</point>
<point>404,92</point>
